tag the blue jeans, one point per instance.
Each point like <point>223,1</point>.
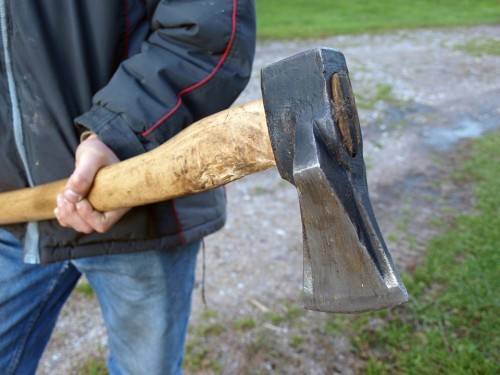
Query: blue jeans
<point>145,299</point>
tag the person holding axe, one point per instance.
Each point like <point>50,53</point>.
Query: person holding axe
<point>85,84</point>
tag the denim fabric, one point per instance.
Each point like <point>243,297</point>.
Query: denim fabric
<point>145,299</point>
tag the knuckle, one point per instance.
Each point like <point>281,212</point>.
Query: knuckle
<point>68,209</point>
<point>84,210</point>
<point>79,181</point>
<point>101,228</point>
<point>87,230</point>
<point>62,223</point>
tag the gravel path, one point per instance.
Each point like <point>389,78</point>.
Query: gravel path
<point>434,96</point>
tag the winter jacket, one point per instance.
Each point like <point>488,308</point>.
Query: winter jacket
<point>136,72</point>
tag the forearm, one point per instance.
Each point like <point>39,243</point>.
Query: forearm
<point>195,62</point>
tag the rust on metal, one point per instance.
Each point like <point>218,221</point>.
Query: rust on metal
<point>345,112</point>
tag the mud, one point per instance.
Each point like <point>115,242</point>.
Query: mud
<point>439,96</point>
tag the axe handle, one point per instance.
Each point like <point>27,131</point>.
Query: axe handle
<point>211,152</point>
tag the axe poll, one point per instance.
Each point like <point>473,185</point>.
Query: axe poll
<point>307,125</point>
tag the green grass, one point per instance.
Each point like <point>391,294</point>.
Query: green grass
<point>94,366</point>
<point>451,324</point>
<point>197,358</point>
<point>262,341</point>
<point>377,93</point>
<point>244,324</point>
<point>83,287</point>
<point>277,19</point>
<point>481,47</point>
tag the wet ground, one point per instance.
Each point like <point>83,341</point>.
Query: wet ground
<point>420,97</point>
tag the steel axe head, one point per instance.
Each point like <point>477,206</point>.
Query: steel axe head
<point>316,139</point>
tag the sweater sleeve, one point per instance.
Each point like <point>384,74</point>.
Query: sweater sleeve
<point>195,61</point>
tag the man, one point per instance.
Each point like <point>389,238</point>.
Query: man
<point>105,81</point>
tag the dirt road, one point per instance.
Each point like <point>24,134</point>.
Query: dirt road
<point>419,95</point>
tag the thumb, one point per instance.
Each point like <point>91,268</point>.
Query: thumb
<point>80,182</point>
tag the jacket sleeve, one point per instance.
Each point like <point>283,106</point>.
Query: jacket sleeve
<point>195,61</point>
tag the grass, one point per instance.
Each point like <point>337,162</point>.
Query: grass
<point>244,324</point>
<point>378,93</point>
<point>197,358</point>
<point>262,343</point>
<point>477,47</point>
<point>94,366</point>
<point>197,355</point>
<point>451,325</point>
<point>83,287</point>
<point>317,18</point>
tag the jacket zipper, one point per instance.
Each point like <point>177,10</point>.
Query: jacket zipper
<point>31,253</point>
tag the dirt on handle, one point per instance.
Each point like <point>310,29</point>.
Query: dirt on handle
<point>419,94</point>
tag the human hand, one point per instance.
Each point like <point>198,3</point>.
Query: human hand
<point>73,209</point>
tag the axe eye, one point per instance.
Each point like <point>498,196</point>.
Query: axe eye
<point>345,113</point>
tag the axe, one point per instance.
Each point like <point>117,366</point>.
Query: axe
<point>307,125</point>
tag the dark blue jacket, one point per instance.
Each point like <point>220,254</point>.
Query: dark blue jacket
<point>136,72</point>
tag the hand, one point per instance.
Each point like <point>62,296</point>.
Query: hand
<point>73,209</point>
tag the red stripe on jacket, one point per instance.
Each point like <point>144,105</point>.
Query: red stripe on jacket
<point>202,82</point>
<point>180,232</point>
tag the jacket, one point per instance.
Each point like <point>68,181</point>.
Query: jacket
<point>136,72</point>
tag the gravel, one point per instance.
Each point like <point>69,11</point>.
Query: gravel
<point>439,97</point>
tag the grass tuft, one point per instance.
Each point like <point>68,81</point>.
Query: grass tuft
<point>83,287</point>
<point>480,47</point>
<point>94,366</point>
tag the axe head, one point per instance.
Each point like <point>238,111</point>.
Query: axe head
<point>316,139</point>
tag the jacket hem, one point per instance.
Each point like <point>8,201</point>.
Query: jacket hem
<point>57,254</point>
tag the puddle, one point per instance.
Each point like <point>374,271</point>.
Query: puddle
<point>444,139</point>
<point>482,117</point>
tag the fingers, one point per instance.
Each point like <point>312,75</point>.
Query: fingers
<point>82,217</point>
<point>68,216</point>
<point>73,210</point>
<point>99,221</point>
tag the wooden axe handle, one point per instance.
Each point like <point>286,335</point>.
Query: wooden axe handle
<point>211,152</point>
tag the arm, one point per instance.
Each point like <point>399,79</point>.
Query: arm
<point>196,61</point>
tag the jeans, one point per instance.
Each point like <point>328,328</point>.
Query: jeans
<point>145,299</point>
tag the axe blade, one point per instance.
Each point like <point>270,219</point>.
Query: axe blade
<point>316,139</point>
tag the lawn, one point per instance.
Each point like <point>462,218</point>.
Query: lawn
<point>279,19</point>
<point>451,325</point>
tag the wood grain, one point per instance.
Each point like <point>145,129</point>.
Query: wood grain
<point>210,153</point>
